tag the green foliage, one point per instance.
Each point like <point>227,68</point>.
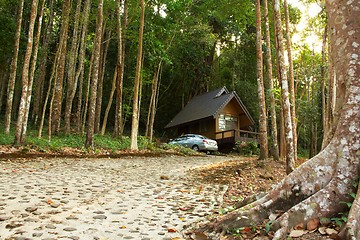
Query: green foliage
<point>247,148</point>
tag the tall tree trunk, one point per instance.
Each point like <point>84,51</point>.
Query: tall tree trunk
<point>137,84</point>
<point>32,70</point>
<point>291,78</point>
<point>71,74</point>
<point>118,129</point>
<point>85,111</point>
<point>324,88</point>
<point>19,135</point>
<point>59,77</point>
<point>290,154</point>
<point>270,93</point>
<point>39,81</point>
<point>95,77</point>
<point>263,138</point>
<point>79,76</point>
<point>11,83</point>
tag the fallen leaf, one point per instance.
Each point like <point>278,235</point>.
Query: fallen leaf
<point>123,227</point>
<point>297,233</point>
<point>171,230</point>
<point>120,191</point>
<point>300,226</point>
<point>313,224</point>
<point>330,231</point>
<point>50,202</point>
<point>322,230</point>
<point>199,236</point>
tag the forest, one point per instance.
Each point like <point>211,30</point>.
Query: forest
<point>76,67</point>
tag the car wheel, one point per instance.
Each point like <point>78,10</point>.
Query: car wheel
<point>196,148</point>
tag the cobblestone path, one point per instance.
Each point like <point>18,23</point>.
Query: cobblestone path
<point>129,198</point>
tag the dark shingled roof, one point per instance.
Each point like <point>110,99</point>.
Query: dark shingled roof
<point>206,105</point>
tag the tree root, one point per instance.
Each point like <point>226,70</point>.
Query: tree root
<point>315,190</point>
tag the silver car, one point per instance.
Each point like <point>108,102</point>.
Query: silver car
<point>196,142</point>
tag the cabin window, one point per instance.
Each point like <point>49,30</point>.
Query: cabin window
<point>227,122</point>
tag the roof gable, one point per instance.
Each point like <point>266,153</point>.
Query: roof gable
<point>206,105</point>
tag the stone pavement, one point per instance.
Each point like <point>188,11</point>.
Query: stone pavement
<point>128,198</point>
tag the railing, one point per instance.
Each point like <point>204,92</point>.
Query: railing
<point>232,136</point>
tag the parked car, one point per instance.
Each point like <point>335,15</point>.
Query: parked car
<point>196,142</point>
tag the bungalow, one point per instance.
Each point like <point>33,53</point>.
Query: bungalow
<point>218,115</point>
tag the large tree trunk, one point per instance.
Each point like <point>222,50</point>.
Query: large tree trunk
<point>95,77</point>
<point>19,134</point>
<point>291,78</point>
<point>290,154</point>
<point>270,93</point>
<point>316,189</point>
<point>263,139</point>
<point>71,77</point>
<point>323,87</point>
<point>137,84</point>
<point>11,83</point>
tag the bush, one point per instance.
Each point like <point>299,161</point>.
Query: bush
<point>247,148</point>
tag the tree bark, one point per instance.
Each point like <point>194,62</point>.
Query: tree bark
<point>290,154</point>
<point>316,189</point>
<point>291,78</point>
<point>270,93</point>
<point>95,77</point>
<point>59,76</point>
<point>263,138</point>
<point>107,110</point>
<point>72,63</point>
<point>19,134</point>
<point>152,105</point>
<point>118,129</point>
<point>79,76</point>
<point>13,67</point>
<point>137,84</point>
<point>39,81</point>
<point>323,87</point>
<point>32,70</point>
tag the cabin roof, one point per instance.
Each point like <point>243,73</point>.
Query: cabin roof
<point>207,105</point>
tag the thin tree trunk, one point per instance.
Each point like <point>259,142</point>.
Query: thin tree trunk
<point>118,129</point>
<point>99,98</point>
<point>71,74</point>
<point>274,131</point>
<point>263,139</point>
<point>291,78</point>
<point>59,77</point>
<point>85,114</point>
<point>79,76</point>
<point>107,110</point>
<point>19,135</point>
<point>13,67</point>
<point>95,77</point>
<point>290,158</point>
<point>39,81</point>
<point>152,106</point>
<point>137,84</point>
